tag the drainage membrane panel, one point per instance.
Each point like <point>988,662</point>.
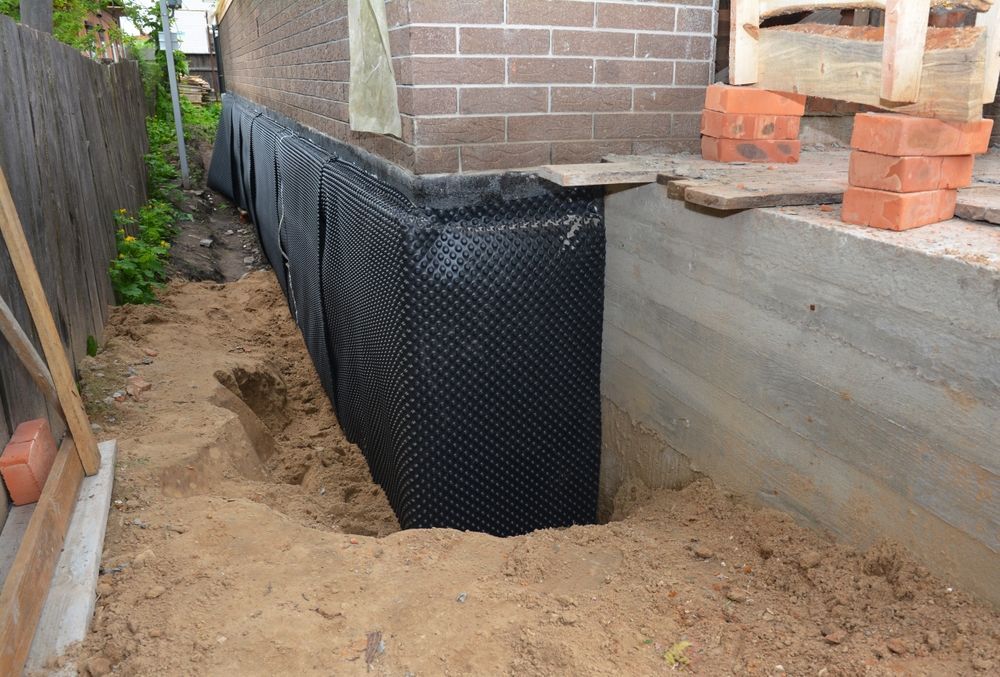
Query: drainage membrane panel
<point>458,337</point>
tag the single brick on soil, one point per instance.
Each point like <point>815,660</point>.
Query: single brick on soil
<point>897,211</point>
<point>748,126</point>
<point>27,460</point>
<point>910,174</point>
<point>747,100</point>
<point>890,134</point>
<point>736,150</point>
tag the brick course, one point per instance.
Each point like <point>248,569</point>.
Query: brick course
<point>488,84</point>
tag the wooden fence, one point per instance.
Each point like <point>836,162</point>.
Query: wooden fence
<point>72,141</point>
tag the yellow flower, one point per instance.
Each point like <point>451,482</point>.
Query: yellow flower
<point>129,238</point>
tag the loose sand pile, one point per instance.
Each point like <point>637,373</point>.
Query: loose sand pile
<point>246,537</point>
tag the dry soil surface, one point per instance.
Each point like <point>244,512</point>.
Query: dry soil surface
<point>246,538</point>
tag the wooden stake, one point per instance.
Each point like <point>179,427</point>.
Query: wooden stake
<point>52,346</point>
<point>27,584</point>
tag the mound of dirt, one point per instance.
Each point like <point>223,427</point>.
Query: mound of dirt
<point>247,538</point>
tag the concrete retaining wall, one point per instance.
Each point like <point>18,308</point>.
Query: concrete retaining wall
<point>848,376</point>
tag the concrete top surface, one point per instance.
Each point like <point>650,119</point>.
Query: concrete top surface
<point>970,242</point>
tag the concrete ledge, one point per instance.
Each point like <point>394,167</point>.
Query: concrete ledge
<point>846,375</point>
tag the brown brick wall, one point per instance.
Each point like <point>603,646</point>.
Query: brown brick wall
<point>489,84</point>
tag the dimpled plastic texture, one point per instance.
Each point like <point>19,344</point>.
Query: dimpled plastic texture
<point>462,343</point>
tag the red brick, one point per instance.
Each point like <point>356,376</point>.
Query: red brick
<point>897,211</point>
<point>504,156</point>
<point>591,99</point>
<point>504,41</point>
<point>443,70</point>
<point>27,460</point>
<point>455,11</point>
<point>549,127</point>
<point>730,99</point>
<point>734,150</point>
<point>593,43</point>
<point>911,173</point>
<point>454,130</point>
<point>480,100</point>
<point>550,12</point>
<point>645,17</point>
<point>889,134</point>
<point>737,126</point>
<point>631,125</point>
<point>573,152</point>
<point>639,72</point>
<point>550,71</point>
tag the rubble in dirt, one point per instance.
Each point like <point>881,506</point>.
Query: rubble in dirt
<point>247,538</point>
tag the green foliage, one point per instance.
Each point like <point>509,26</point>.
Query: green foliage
<point>68,17</point>
<point>140,268</point>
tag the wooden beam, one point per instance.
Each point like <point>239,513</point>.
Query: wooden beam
<point>769,8</point>
<point>990,21</point>
<point>903,49</point>
<point>744,29</point>
<point>27,583</point>
<point>597,174</point>
<point>832,62</point>
<point>52,346</point>
<point>32,361</point>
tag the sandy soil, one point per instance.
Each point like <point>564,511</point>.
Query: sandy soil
<point>246,537</point>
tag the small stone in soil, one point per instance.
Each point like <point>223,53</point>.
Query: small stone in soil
<point>810,559</point>
<point>703,552</point>
<point>736,595</point>
<point>835,637</point>
<point>896,645</point>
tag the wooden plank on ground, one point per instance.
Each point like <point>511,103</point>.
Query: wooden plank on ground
<point>69,607</point>
<point>27,584</point>
<point>980,202</point>
<point>845,62</point>
<point>52,346</point>
<point>596,174</point>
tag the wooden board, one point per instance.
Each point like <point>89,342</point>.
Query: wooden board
<point>27,584</point>
<point>597,174</point>
<point>822,61</point>
<point>69,606</point>
<point>980,202</point>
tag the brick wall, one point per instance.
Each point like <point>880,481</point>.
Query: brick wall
<point>489,84</point>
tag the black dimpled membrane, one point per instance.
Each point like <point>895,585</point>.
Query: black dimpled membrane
<point>460,346</point>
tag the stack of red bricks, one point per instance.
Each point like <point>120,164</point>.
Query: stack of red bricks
<point>742,124</point>
<point>906,171</point>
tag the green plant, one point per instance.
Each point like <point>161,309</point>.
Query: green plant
<point>140,268</point>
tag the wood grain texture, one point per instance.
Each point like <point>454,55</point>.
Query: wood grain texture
<point>52,346</point>
<point>27,583</point>
<point>744,50</point>
<point>903,50</point>
<point>770,8</point>
<point>826,65</point>
<point>990,22</point>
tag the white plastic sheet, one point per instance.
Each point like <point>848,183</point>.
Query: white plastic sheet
<point>373,106</point>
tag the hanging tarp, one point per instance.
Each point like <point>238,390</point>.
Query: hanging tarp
<point>372,103</point>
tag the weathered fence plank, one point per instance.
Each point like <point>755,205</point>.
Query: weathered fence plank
<point>72,141</point>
